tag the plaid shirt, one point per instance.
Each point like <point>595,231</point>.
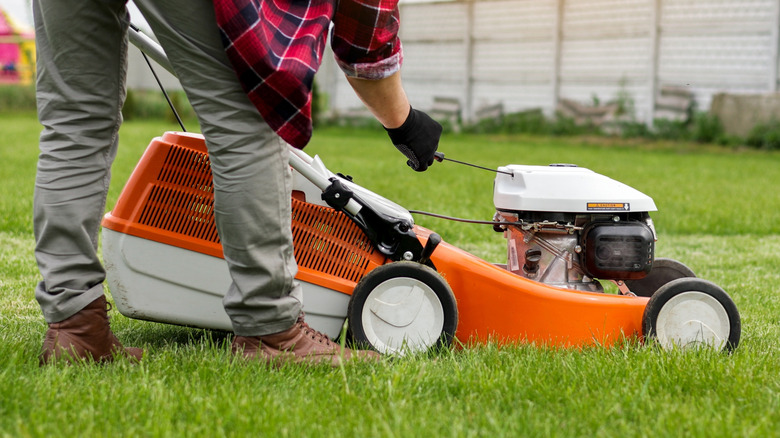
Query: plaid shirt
<point>276,46</point>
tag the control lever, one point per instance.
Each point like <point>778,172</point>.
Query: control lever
<point>433,241</point>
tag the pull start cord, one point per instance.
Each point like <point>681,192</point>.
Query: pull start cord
<point>439,156</point>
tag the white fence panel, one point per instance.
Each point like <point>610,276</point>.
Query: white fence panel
<point>515,20</point>
<point>444,21</point>
<point>434,38</point>
<point>513,54</point>
<point>718,45</point>
<point>606,50</point>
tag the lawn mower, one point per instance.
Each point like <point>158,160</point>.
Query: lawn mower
<point>400,287</point>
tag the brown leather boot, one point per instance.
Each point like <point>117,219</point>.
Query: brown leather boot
<point>299,344</point>
<point>85,336</point>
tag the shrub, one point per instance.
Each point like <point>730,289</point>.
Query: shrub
<point>706,128</point>
<point>531,122</point>
<point>17,98</point>
<point>633,129</point>
<point>319,104</point>
<point>562,126</point>
<point>670,129</point>
<point>765,136</point>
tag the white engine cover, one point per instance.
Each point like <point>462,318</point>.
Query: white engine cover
<point>564,189</point>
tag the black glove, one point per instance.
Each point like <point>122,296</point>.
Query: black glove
<point>417,139</point>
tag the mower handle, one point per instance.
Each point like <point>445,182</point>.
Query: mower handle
<point>300,162</point>
<point>150,47</point>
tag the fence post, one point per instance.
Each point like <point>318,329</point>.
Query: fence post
<point>655,36</point>
<point>775,48</point>
<point>468,96</point>
<point>557,43</point>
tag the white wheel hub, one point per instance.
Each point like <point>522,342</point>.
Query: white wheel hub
<point>692,318</point>
<point>402,314</point>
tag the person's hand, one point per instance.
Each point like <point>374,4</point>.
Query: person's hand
<point>417,139</point>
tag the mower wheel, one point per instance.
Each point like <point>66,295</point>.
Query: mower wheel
<point>402,307</point>
<point>689,312</point>
<point>663,271</point>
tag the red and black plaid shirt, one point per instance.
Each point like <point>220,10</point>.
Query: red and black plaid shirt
<point>276,46</point>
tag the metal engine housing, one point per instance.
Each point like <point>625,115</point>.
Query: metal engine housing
<point>569,227</point>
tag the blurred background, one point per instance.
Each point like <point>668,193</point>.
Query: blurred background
<point>620,66</point>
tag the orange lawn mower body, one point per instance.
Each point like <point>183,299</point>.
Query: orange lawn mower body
<point>361,259</point>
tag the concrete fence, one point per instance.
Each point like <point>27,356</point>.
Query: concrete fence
<point>525,54</point>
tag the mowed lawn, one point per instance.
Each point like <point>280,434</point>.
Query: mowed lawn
<point>718,213</point>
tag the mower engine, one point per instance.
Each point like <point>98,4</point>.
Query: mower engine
<point>569,227</point>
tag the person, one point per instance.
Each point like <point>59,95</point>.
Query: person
<point>247,69</point>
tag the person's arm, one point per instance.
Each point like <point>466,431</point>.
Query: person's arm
<point>412,132</point>
<point>385,98</point>
<point>366,45</point>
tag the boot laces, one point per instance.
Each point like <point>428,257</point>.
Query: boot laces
<point>314,334</point>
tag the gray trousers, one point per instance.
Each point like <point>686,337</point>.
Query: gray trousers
<point>82,50</point>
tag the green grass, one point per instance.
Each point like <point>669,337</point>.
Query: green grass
<point>718,214</point>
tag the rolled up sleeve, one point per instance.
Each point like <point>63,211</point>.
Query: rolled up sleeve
<point>365,39</point>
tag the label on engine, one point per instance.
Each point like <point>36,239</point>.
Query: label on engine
<point>514,263</point>
<point>609,206</point>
